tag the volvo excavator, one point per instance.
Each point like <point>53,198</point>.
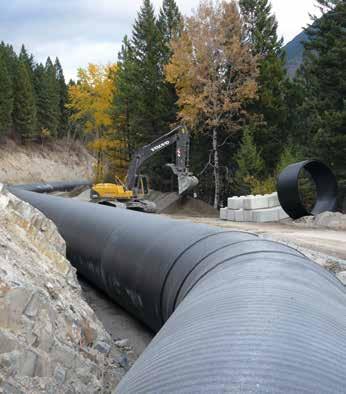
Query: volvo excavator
<point>132,194</point>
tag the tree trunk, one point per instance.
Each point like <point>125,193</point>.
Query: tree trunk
<point>99,160</point>
<point>216,170</point>
<point>128,139</point>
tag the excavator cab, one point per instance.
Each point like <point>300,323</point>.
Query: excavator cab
<point>113,191</point>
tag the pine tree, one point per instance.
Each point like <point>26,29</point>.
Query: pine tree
<point>261,27</point>
<point>42,97</point>
<point>288,156</point>
<point>38,96</point>
<point>270,107</point>
<point>28,60</point>
<point>6,98</point>
<point>63,97</point>
<point>146,47</point>
<point>142,100</point>
<point>125,98</point>
<point>170,22</point>
<point>323,79</point>
<point>142,96</point>
<point>24,114</point>
<point>10,58</point>
<point>52,110</point>
<point>250,163</point>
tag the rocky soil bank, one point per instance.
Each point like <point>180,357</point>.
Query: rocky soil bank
<point>50,339</point>
<point>331,220</point>
<point>61,161</point>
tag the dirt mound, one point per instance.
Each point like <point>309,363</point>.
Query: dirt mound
<point>174,204</point>
<point>188,206</point>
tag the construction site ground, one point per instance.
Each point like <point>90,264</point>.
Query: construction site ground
<point>325,246</point>
<point>323,240</point>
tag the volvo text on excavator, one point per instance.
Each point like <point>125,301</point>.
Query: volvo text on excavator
<point>132,193</point>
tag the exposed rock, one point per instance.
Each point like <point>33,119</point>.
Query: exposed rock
<point>103,347</point>
<point>50,339</point>
<point>122,343</point>
<point>124,362</point>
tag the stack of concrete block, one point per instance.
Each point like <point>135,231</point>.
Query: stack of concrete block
<point>258,209</point>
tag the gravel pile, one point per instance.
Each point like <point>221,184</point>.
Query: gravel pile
<point>331,220</point>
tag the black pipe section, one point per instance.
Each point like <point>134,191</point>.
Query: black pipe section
<point>326,189</point>
<point>240,314</point>
<point>51,187</point>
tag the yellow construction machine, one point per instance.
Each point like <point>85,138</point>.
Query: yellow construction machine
<point>132,193</point>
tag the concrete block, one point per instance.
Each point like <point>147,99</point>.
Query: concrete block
<point>282,214</point>
<point>235,203</point>
<point>273,200</point>
<point>266,215</point>
<point>223,213</point>
<point>256,202</point>
<point>239,215</point>
<point>231,215</point>
<point>248,216</point>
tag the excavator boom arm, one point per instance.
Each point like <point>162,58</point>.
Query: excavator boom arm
<point>181,137</point>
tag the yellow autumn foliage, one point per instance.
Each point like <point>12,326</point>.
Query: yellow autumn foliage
<point>213,70</point>
<point>90,102</point>
<point>91,98</point>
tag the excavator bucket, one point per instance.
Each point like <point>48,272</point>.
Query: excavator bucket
<point>186,183</point>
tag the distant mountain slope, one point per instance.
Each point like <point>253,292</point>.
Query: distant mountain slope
<point>294,53</point>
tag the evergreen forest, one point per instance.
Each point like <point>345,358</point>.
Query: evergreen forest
<point>221,71</point>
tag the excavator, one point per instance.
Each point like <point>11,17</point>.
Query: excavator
<point>132,194</point>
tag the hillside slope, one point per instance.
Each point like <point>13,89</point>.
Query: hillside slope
<point>50,162</point>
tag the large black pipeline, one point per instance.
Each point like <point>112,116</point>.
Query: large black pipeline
<point>51,187</point>
<point>325,184</point>
<point>236,313</point>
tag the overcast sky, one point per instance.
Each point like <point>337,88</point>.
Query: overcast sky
<point>90,31</point>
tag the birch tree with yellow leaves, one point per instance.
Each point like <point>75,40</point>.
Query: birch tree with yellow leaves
<point>214,73</point>
<point>90,103</point>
